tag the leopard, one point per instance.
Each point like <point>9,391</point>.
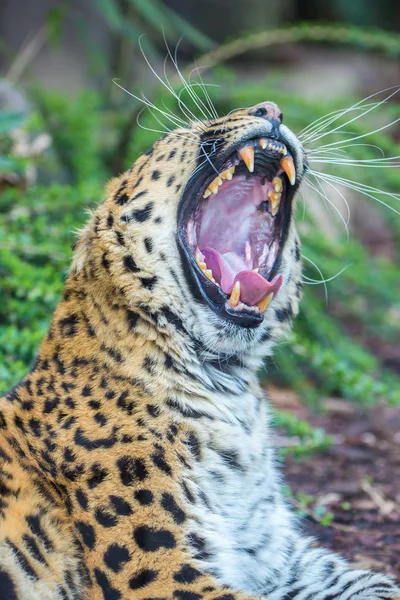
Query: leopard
<point>137,459</point>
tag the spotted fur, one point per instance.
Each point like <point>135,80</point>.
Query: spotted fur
<point>136,456</point>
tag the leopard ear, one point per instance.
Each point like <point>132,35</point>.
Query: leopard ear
<point>81,246</point>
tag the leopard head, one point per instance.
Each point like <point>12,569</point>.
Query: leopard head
<point>202,226</point>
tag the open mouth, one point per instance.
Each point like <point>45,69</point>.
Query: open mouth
<point>233,233</point>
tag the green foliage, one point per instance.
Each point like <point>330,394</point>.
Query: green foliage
<point>9,120</point>
<point>156,15</point>
<point>36,234</point>
<point>307,438</point>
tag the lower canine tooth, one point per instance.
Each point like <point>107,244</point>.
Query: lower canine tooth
<point>265,302</point>
<point>247,155</point>
<point>289,168</point>
<point>277,183</point>
<point>275,200</point>
<point>235,295</point>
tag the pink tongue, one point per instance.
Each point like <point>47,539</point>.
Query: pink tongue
<point>229,268</point>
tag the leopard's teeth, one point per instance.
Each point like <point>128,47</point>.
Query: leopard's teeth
<point>227,174</point>
<point>200,260</point>
<point>209,274</point>
<point>274,200</point>
<point>265,302</point>
<point>277,183</point>
<point>287,165</point>
<point>235,295</point>
<point>213,187</point>
<point>247,156</point>
<point>203,266</point>
<point>277,146</point>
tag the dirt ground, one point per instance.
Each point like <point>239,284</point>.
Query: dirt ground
<point>357,480</point>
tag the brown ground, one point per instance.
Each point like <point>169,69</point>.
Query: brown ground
<point>357,480</point>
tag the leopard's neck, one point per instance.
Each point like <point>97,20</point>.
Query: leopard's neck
<point>95,346</point>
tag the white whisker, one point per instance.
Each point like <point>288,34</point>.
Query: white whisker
<point>185,110</point>
<point>320,190</point>
<point>341,150</point>
<point>362,188</point>
<point>370,107</point>
<point>322,122</point>
<point>361,136</point>
<point>322,280</point>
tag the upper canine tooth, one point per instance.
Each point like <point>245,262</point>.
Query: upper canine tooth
<point>247,155</point>
<point>263,143</point>
<point>288,166</point>
<point>235,295</point>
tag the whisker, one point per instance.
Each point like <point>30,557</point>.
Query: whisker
<point>362,188</point>
<point>311,137</point>
<point>357,106</point>
<point>335,114</point>
<point>185,110</point>
<point>198,102</point>
<point>311,281</point>
<point>147,103</point>
<point>321,274</point>
<point>370,164</point>
<point>355,119</point>
<point>320,190</point>
<point>205,91</point>
<point>342,150</point>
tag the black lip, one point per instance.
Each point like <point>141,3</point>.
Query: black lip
<point>201,287</point>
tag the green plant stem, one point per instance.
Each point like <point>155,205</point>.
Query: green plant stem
<point>366,39</point>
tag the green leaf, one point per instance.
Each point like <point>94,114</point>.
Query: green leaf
<point>54,21</point>
<point>197,37</point>
<point>111,14</point>
<point>160,16</point>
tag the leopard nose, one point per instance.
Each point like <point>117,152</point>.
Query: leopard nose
<point>268,111</point>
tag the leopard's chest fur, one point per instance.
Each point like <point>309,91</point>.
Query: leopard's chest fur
<point>240,523</point>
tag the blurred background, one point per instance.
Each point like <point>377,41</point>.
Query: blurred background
<point>65,128</point>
